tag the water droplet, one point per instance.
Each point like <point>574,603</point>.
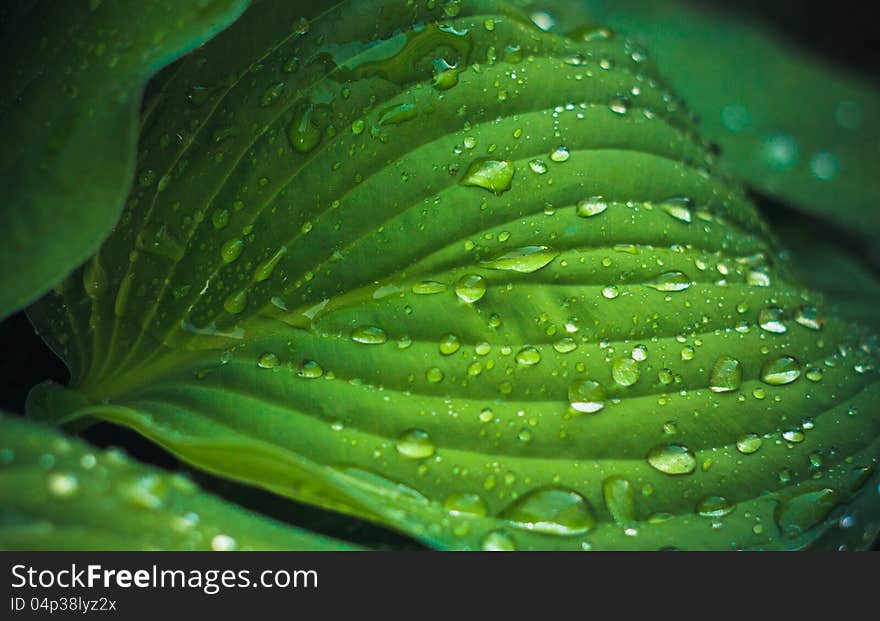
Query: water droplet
<point>619,105</point>
<point>678,208</point>
<point>714,506</point>
<point>264,270</point>
<point>470,288</point>
<point>236,302</point>
<point>434,375</point>
<point>799,513</point>
<point>591,206</point>
<point>560,154</point>
<point>271,94</point>
<point>489,174</point>
<point>552,511</point>
<point>771,319</point>
<point>749,443</point>
<point>528,356</point>
<point>726,375</point>
<point>625,371</point>
<point>780,371</point>
<point>428,287</point>
<point>610,292</point>
<point>671,281</point>
<point>565,345</point>
<point>586,396</point>
<point>795,436</point>
<point>231,250</point>
<point>369,335</point>
<point>620,499</point>
<point>62,484</point>
<point>809,317</point>
<point>268,360</point>
<point>497,541</point>
<point>223,543</point>
<point>415,444</point>
<point>538,167</point>
<point>525,260</point>
<point>449,344</point>
<point>467,504</point>
<point>672,459</point>
<point>302,132</point>
<point>309,369</point>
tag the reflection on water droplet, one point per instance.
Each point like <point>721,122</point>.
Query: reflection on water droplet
<point>780,371</point>
<point>672,459</point>
<point>552,511</point>
<point>415,444</point>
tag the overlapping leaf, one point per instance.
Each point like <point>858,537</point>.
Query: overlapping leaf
<point>73,81</point>
<point>475,281</point>
<point>59,493</point>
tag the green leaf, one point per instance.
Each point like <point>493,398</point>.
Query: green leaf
<point>789,123</point>
<point>512,306</point>
<point>60,493</point>
<point>74,79</point>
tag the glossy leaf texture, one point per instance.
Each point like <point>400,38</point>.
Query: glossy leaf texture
<point>60,493</point>
<point>794,125</point>
<point>73,82</point>
<point>475,281</point>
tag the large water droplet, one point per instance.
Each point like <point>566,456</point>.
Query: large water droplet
<point>679,208</point>
<point>591,206</point>
<point>671,281</point>
<point>551,510</point>
<point>672,459</point>
<point>625,371</point>
<point>749,443</point>
<point>497,541</point>
<point>798,513</point>
<point>489,174</point>
<point>528,356</point>
<point>620,499</point>
<point>369,335</point>
<point>809,317</point>
<point>780,371</point>
<point>466,503</point>
<point>714,506</point>
<point>726,375</point>
<point>415,444</point>
<point>470,288</point>
<point>586,396</point>
<point>525,260</point>
<point>771,319</point>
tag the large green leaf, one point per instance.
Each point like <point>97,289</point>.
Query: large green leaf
<point>787,122</point>
<point>73,81</point>
<point>59,493</point>
<point>510,305</point>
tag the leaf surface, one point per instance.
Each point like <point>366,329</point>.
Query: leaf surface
<point>62,494</point>
<point>512,304</point>
<point>69,120</point>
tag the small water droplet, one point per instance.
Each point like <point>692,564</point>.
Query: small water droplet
<point>748,443</point>
<point>525,260</point>
<point>490,174</point>
<point>586,396</point>
<point>620,499</point>
<point>592,206</point>
<point>369,335</point>
<point>714,506</point>
<point>625,371</point>
<point>470,288</point>
<point>671,281</point>
<point>771,320</point>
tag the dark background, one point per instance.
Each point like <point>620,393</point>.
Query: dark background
<point>845,32</point>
